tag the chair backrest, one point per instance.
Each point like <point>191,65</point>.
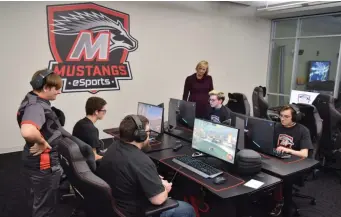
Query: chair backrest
<point>238,103</point>
<point>260,105</point>
<point>94,192</point>
<point>331,121</point>
<point>311,119</point>
<point>60,114</point>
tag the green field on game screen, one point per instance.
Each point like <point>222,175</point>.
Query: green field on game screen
<point>218,152</point>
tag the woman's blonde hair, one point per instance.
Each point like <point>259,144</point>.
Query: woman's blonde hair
<point>202,63</point>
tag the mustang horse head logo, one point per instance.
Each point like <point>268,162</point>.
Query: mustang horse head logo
<point>96,22</point>
<point>90,45</point>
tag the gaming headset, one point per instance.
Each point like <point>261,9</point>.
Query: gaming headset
<point>39,80</point>
<point>140,133</point>
<point>297,115</point>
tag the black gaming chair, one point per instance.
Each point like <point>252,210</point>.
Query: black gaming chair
<point>94,193</point>
<point>259,104</point>
<point>311,119</point>
<point>238,103</point>
<point>331,134</point>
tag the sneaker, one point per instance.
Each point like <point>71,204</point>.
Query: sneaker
<point>277,210</point>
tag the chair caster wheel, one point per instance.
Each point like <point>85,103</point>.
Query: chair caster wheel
<point>313,202</point>
<point>297,212</point>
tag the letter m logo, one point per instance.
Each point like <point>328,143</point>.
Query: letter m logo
<point>88,48</point>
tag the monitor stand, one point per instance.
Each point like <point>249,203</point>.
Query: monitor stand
<point>210,160</point>
<point>170,128</point>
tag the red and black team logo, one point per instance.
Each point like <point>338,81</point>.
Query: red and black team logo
<point>90,45</point>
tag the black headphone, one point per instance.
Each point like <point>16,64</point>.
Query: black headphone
<point>140,134</point>
<point>39,80</point>
<point>296,115</point>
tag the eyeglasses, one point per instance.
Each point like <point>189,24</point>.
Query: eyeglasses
<point>103,110</point>
<point>285,116</point>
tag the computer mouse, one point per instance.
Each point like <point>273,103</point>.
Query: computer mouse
<point>219,180</point>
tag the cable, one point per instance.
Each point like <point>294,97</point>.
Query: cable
<point>175,175</point>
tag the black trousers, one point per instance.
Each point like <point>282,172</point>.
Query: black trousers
<point>45,184</point>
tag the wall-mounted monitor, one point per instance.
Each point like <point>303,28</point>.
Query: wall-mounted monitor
<point>319,70</point>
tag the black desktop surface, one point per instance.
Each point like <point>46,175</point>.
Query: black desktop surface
<point>166,141</point>
<point>180,132</point>
<point>233,187</point>
<point>286,167</point>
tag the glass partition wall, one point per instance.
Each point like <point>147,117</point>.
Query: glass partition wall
<point>304,55</point>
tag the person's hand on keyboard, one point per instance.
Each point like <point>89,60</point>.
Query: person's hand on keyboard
<point>282,149</point>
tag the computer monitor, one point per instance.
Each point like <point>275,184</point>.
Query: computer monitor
<point>261,134</point>
<point>240,124</point>
<point>215,139</point>
<point>162,105</point>
<point>234,115</point>
<point>153,113</point>
<point>181,113</point>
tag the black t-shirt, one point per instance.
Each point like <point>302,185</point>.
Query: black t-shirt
<point>86,131</point>
<point>296,137</point>
<point>132,176</point>
<point>219,115</point>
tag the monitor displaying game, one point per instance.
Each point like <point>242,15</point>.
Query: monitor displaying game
<point>153,114</point>
<point>215,139</point>
<point>319,70</point>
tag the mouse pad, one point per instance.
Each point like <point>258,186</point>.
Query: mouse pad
<point>293,159</point>
<point>231,181</point>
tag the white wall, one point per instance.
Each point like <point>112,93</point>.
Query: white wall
<point>172,38</point>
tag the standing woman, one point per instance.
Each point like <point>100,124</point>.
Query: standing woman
<point>196,89</point>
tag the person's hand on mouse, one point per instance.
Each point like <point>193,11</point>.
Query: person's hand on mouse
<point>167,185</point>
<point>282,149</point>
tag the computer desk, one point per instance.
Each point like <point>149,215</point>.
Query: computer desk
<point>287,170</point>
<point>234,188</point>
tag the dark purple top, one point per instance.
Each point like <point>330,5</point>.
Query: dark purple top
<point>197,90</point>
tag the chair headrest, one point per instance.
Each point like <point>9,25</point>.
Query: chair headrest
<point>260,90</point>
<point>60,114</point>
<point>236,96</point>
<point>70,144</point>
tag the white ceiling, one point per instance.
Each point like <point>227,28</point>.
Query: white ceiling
<point>257,4</point>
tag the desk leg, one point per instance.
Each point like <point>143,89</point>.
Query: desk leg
<point>239,206</point>
<point>287,193</point>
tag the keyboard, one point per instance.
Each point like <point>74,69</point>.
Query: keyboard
<point>280,154</point>
<point>197,166</point>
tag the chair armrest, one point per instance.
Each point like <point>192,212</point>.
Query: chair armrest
<point>168,204</point>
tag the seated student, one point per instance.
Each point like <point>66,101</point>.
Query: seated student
<point>218,112</point>
<point>133,176</point>
<point>292,138</point>
<point>85,129</point>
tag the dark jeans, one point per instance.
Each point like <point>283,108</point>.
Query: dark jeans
<point>45,184</point>
<point>183,210</point>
